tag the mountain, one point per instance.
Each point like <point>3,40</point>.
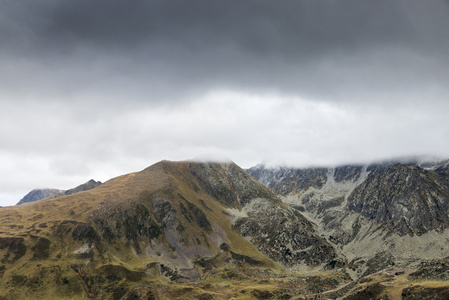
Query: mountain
<point>204,230</point>
<point>39,194</point>
<point>158,232</point>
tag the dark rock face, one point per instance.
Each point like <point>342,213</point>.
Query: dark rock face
<point>39,194</point>
<point>425,293</point>
<point>245,259</point>
<point>334,221</point>
<point>405,198</point>
<point>443,167</point>
<point>373,291</point>
<point>15,248</point>
<point>286,181</point>
<point>432,270</point>
<point>83,187</point>
<point>116,273</point>
<point>284,235</point>
<point>347,173</point>
<point>230,185</point>
<point>401,196</point>
<point>85,232</point>
<point>200,217</point>
<point>41,249</point>
<point>134,224</point>
<point>379,262</point>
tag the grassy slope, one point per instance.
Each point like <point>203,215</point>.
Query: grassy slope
<point>36,223</point>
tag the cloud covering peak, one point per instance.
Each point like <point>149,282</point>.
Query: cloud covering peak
<point>99,88</point>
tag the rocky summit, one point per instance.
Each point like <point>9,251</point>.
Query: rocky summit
<point>39,194</point>
<point>206,230</point>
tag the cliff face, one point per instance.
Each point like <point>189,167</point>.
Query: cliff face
<point>405,198</point>
<point>285,235</point>
<point>286,181</point>
<point>398,209</point>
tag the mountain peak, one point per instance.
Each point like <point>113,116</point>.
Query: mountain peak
<point>39,194</point>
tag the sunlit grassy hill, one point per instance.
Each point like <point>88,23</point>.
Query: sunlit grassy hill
<point>164,221</point>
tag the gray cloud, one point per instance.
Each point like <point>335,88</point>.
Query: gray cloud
<point>154,50</point>
<point>100,88</point>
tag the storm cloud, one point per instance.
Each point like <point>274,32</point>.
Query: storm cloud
<point>99,88</point>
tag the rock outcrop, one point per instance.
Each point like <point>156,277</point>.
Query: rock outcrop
<point>286,180</point>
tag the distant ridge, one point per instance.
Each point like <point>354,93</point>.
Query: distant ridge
<point>83,187</point>
<point>39,194</point>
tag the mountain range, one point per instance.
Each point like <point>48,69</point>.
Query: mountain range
<point>205,230</point>
<point>399,209</point>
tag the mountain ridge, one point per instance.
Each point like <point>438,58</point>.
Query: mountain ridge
<point>39,194</point>
<point>373,204</point>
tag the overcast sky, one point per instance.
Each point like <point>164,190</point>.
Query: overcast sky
<point>96,89</point>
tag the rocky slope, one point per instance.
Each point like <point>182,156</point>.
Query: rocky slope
<point>39,194</point>
<point>397,209</point>
<point>82,187</point>
<point>405,198</point>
